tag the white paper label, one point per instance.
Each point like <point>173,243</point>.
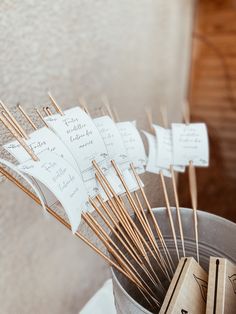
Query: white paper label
<point>113,140</point>
<point>164,149</point>
<point>117,152</point>
<point>152,160</point>
<point>40,141</point>
<point>133,144</point>
<point>78,131</point>
<point>190,143</point>
<point>62,180</point>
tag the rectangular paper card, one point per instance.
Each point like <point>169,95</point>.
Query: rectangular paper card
<point>164,156</point>
<point>221,294</point>
<point>187,292</point>
<point>62,180</point>
<point>117,152</point>
<point>190,143</point>
<point>133,144</point>
<point>113,141</point>
<point>152,160</point>
<point>77,130</point>
<point>40,141</point>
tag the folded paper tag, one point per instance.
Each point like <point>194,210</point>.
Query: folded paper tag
<point>113,140</point>
<point>190,143</point>
<point>221,294</point>
<point>187,292</point>
<point>117,152</point>
<point>152,152</point>
<point>77,130</point>
<point>40,141</point>
<point>164,156</point>
<point>133,144</point>
<point>62,180</point>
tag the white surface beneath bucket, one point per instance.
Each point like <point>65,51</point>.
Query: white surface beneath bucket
<point>102,302</point>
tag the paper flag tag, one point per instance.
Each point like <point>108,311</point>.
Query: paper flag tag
<point>28,180</point>
<point>117,152</point>
<point>151,162</point>
<point>113,140</point>
<point>77,130</point>
<point>164,156</point>
<point>40,141</point>
<point>190,143</point>
<point>133,144</point>
<point>62,180</point>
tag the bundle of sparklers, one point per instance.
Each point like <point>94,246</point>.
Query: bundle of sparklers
<point>83,165</point>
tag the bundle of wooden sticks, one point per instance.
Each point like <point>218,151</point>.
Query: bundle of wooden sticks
<point>136,248</point>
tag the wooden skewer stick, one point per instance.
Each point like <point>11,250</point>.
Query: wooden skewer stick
<point>27,116</point>
<point>18,138</point>
<point>127,247</point>
<point>178,209</point>
<point>19,128</point>
<point>120,215</point>
<point>168,256</point>
<point>156,225</point>
<point>118,255</point>
<point>41,117</point>
<point>107,106</point>
<point>65,223</point>
<point>192,185</point>
<point>49,112</point>
<point>11,123</point>
<point>55,105</point>
<point>169,212</point>
<point>84,105</point>
<point>118,227</point>
<point>157,257</point>
<point>125,237</point>
<point>130,228</point>
<point>45,111</point>
<point>144,223</point>
<point>165,123</point>
<point>115,251</point>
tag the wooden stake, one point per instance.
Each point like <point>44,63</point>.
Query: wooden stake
<point>192,183</point>
<point>156,225</point>
<point>41,118</point>
<point>177,209</point>
<point>127,247</point>
<point>55,105</point>
<point>107,106</point>
<point>18,138</point>
<point>27,117</point>
<point>17,125</point>
<point>118,255</point>
<point>128,224</point>
<point>164,119</point>
<point>84,105</point>
<point>144,223</point>
<point>169,213</point>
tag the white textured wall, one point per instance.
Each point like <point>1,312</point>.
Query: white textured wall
<point>136,52</point>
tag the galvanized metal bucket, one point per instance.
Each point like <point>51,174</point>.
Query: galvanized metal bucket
<point>217,237</point>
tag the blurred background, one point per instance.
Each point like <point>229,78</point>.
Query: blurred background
<point>141,54</point>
